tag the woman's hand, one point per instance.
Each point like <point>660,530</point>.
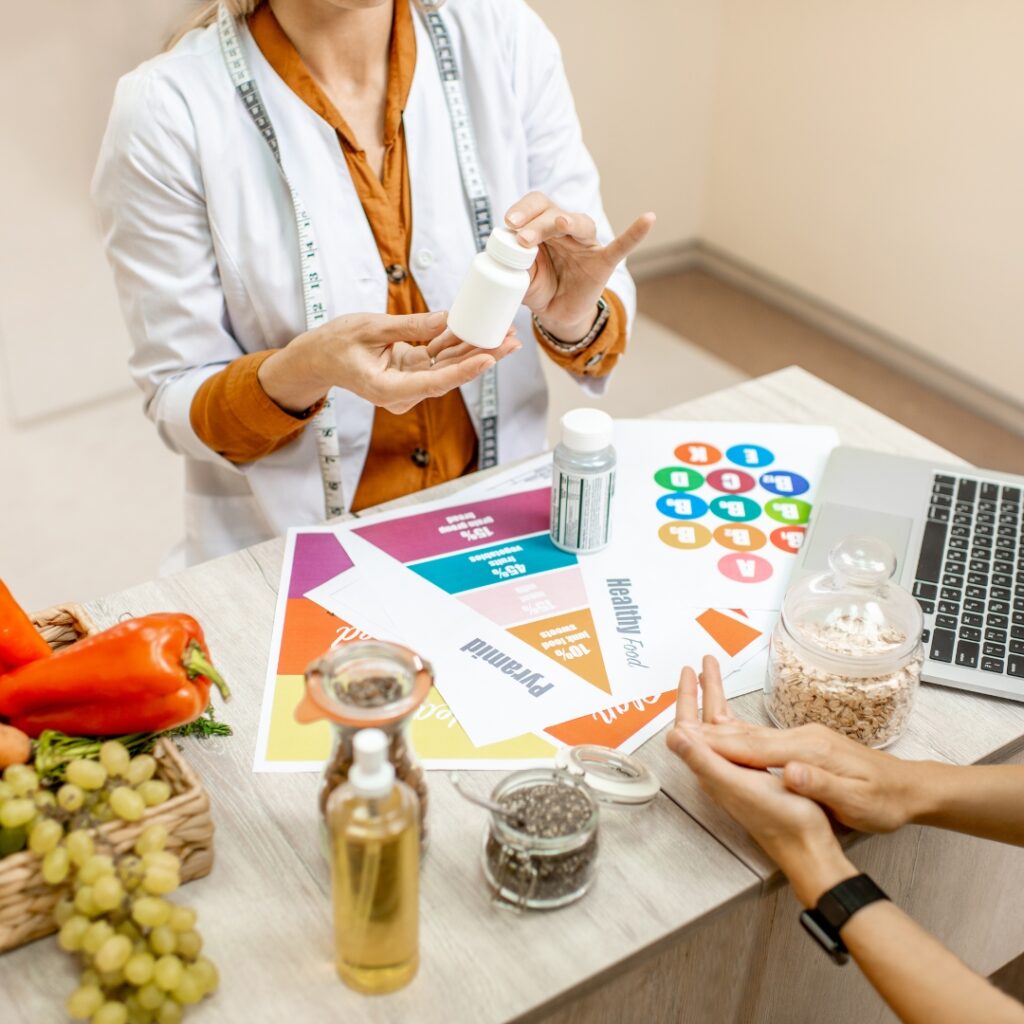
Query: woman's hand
<point>793,830</point>
<point>371,355</point>
<point>866,789</point>
<point>572,267</point>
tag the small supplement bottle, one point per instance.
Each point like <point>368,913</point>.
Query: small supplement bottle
<point>583,482</point>
<point>375,871</point>
<point>492,291</point>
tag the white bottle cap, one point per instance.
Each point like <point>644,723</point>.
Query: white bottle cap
<point>586,430</point>
<point>373,775</point>
<point>505,248</point>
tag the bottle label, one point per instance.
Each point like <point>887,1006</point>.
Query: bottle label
<point>581,510</point>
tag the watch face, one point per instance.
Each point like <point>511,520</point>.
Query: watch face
<point>817,928</point>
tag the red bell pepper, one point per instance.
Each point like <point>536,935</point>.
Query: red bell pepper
<point>19,641</point>
<point>144,675</point>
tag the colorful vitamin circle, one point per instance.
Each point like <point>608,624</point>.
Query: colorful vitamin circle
<point>749,455</point>
<point>740,538</point>
<point>678,478</point>
<point>791,511</point>
<point>731,481</point>
<point>687,536</point>
<point>782,481</point>
<point>682,506</point>
<point>745,568</point>
<point>788,538</point>
<point>697,453</point>
<point>735,509</point>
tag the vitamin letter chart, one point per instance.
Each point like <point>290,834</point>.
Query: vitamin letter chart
<point>716,511</point>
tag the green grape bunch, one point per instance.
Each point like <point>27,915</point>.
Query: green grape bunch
<point>140,953</point>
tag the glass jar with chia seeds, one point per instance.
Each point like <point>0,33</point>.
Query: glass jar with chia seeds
<point>846,651</point>
<point>371,684</point>
<point>541,853</point>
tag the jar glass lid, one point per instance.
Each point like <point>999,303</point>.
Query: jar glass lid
<point>614,778</point>
<point>365,684</point>
<point>854,614</point>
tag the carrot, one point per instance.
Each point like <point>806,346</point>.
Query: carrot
<point>15,746</point>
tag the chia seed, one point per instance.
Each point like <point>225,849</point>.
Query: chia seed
<point>372,692</point>
<point>548,810</point>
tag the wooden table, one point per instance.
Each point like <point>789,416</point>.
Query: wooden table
<point>687,920</point>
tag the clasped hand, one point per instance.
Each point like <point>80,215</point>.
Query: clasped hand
<point>863,788</point>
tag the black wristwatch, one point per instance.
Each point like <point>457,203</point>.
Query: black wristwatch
<point>834,909</point>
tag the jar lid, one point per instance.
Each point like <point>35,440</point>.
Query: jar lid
<point>614,778</point>
<point>854,617</point>
<point>368,684</point>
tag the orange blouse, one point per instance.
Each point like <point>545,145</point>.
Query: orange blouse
<point>435,440</point>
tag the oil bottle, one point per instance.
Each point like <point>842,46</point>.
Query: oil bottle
<point>373,821</point>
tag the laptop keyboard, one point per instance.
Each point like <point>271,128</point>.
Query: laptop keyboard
<point>970,576</point>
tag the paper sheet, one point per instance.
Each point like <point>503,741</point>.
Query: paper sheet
<point>500,682</point>
<point>713,513</point>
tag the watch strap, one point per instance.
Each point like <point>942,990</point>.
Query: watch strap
<point>835,907</point>
<point>604,312</point>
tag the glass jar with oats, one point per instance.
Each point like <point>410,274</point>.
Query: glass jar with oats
<point>846,651</point>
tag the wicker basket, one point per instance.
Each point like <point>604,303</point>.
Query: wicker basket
<point>26,901</point>
<point>63,624</point>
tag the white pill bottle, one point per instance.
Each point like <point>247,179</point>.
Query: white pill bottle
<point>583,482</point>
<point>492,291</point>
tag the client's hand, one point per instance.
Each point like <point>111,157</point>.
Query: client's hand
<point>864,788</point>
<point>793,830</point>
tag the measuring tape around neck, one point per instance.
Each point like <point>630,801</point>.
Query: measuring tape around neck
<point>324,423</point>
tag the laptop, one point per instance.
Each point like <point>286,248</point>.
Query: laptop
<point>959,541</point>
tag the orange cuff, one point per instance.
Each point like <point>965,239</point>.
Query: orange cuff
<point>599,358</point>
<point>233,415</point>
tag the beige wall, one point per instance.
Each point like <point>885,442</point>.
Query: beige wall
<point>642,75</point>
<point>872,154</point>
<point>62,342</point>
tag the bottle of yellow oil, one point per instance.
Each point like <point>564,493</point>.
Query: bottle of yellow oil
<point>374,826</point>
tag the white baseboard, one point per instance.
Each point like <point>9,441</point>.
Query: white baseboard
<point>696,254</point>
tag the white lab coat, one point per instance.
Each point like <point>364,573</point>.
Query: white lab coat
<point>200,232</point>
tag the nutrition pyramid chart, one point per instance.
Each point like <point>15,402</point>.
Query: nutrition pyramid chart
<point>495,557</point>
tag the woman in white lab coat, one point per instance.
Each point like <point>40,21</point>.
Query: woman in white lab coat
<point>200,220</point>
